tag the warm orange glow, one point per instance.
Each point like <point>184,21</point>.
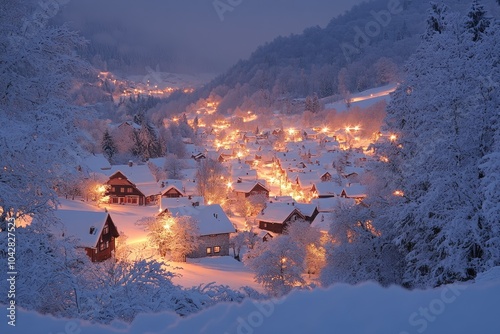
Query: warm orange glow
<point>325,129</point>
<point>291,131</point>
<point>384,159</point>
<point>393,137</point>
<point>398,193</point>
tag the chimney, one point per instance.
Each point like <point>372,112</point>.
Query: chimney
<point>130,163</point>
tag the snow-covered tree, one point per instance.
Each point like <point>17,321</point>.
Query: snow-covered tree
<point>108,146</point>
<point>278,264</point>
<point>430,202</point>
<point>208,181</point>
<point>50,266</point>
<point>173,167</point>
<point>39,142</point>
<point>172,236</point>
<point>147,142</point>
<point>309,238</point>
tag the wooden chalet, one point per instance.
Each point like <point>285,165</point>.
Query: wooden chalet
<point>122,191</point>
<point>172,189</point>
<point>95,231</point>
<point>243,189</point>
<point>276,216</point>
<point>132,184</point>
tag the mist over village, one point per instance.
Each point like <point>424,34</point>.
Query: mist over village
<point>250,166</point>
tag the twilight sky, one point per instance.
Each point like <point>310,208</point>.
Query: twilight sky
<point>193,32</point>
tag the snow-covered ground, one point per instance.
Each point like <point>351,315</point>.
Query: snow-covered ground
<point>220,270</point>
<point>223,270</point>
<point>366,98</point>
<point>366,308</point>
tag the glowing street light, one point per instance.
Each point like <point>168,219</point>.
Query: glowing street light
<point>393,137</point>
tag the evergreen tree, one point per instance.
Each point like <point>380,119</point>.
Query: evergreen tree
<point>477,21</point>
<point>429,199</point>
<point>108,146</point>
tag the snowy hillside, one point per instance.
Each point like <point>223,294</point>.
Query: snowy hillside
<point>367,308</point>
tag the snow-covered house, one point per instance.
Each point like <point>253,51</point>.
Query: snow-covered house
<point>172,188</point>
<point>132,184</point>
<point>356,191</point>
<point>324,189</point>
<point>276,216</point>
<point>309,211</point>
<point>214,228</point>
<point>95,231</point>
<point>243,190</point>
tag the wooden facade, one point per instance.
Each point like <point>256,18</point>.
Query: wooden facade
<point>279,227</point>
<point>106,245</point>
<point>122,191</point>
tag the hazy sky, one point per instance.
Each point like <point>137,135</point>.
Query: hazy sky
<point>193,31</point>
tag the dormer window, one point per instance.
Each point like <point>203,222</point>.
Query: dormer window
<point>105,230</point>
<point>92,230</point>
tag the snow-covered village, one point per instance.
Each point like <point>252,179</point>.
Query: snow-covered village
<point>166,170</point>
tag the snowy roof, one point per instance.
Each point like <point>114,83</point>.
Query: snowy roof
<point>332,203</point>
<point>246,187</point>
<point>135,173</point>
<point>276,212</point>
<point>168,203</point>
<point>306,209</point>
<point>211,219</point>
<point>171,184</point>
<point>96,162</point>
<point>79,224</point>
<point>326,188</point>
<point>355,190</point>
<point>350,169</point>
<point>322,221</point>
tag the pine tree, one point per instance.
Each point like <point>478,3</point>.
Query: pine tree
<point>429,199</point>
<point>108,146</point>
<point>477,21</point>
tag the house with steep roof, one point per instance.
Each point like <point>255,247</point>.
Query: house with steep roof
<point>132,184</point>
<point>172,188</point>
<point>276,216</point>
<point>244,189</point>
<point>214,229</point>
<point>95,231</point>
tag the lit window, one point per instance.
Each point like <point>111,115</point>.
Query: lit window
<point>209,250</point>
<point>122,189</point>
<point>103,245</point>
<point>129,190</point>
<point>217,249</point>
<point>105,230</point>
<point>113,189</point>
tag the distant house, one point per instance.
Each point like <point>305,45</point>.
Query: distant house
<point>95,231</point>
<point>309,211</point>
<point>243,190</point>
<point>276,216</point>
<point>355,191</point>
<point>198,156</point>
<point>172,189</point>
<point>214,229</point>
<point>324,189</point>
